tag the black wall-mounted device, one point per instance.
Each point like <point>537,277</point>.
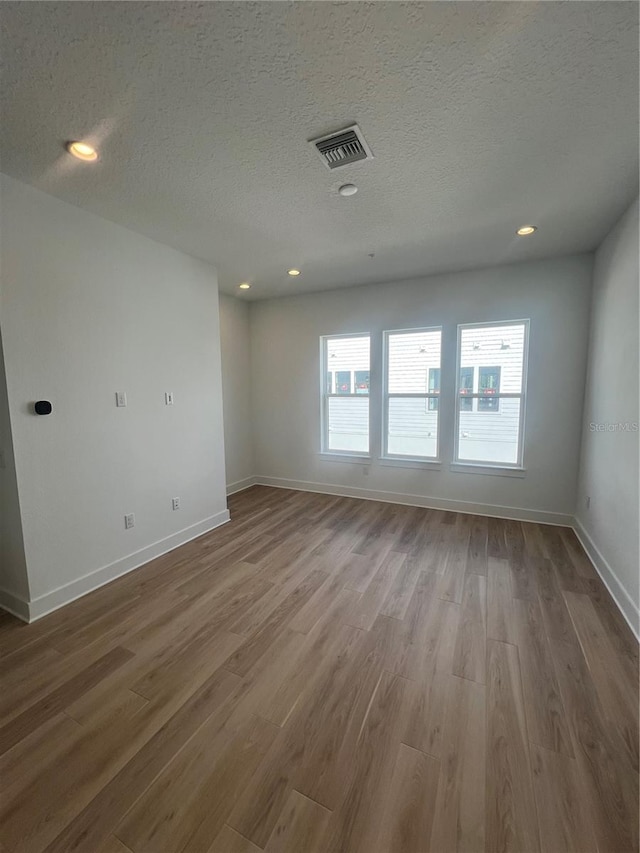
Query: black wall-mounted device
<point>43,407</point>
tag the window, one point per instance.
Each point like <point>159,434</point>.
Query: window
<point>345,404</point>
<point>412,390</point>
<point>492,363</point>
<point>488,388</point>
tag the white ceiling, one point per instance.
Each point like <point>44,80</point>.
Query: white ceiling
<point>482,116</point>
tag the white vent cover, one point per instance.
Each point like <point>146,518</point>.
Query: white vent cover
<point>342,148</point>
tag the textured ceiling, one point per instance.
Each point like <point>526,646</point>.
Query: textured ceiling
<point>481,117</point>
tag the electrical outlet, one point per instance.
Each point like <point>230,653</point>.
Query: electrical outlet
<point>587,502</point>
<point>175,503</point>
<point>168,398</point>
<point>121,398</point>
<point>129,521</point>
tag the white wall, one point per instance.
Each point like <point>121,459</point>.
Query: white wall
<point>553,294</point>
<point>235,346</point>
<point>609,463</point>
<point>89,308</point>
<point>13,569</point>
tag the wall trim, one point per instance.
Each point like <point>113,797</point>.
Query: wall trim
<point>514,513</point>
<point>14,604</point>
<point>62,595</point>
<point>240,485</point>
<point>621,597</point>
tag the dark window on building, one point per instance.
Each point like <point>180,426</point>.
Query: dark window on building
<point>434,388</point>
<point>343,381</point>
<point>488,388</point>
<point>466,387</point>
<point>362,381</point>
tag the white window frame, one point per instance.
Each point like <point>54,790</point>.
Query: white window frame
<point>325,395</point>
<point>461,464</point>
<point>386,396</point>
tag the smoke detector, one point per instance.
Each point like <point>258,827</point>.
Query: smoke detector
<point>343,147</point>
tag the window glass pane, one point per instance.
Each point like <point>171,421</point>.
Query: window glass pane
<point>410,357</point>
<point>413,428</point>
<point>490,436</point>
<point>348,424</point>
<point>494,347</point>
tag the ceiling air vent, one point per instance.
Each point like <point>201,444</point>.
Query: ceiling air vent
<point>342,148</point>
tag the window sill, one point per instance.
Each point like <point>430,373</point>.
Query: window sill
<point>399,462</point>
<point>491,470</point>
<point>358,458</point>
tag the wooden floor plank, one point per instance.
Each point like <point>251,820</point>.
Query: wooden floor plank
<point>470,654</point>
<point>511,823</point>
<point>99,817</point>
<point>230,841</point>
<point>610,784</point>
<point>557,620</point>
<point>410,805</point>
<point>477,558</point>
<point>114,845</point>
<point>301,826</point>
<point>500,612</point>
<point>38,714</point>
<point>397,601</point>
<point>564,822</point>
<point>357,823</point>
<point>460,807</point>
<point>451,584</point>
<point>545,713</point>
<point>188,803</point>
<point>375,596</point>
<point>616,689</point>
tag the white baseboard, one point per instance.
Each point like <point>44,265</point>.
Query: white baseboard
<point>14,604</point>
<point>240,485</point>
<point>56,598</point>
<point>623,600</point>
<point>515,513</point>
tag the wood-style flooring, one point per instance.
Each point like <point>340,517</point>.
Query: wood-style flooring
<point>328,674</point>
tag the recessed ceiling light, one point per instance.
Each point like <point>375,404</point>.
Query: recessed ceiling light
<point>525,230</point>
<point>82,151</point>
<point>244,286</point>
<point>293,272</point>
<point>348,189</point>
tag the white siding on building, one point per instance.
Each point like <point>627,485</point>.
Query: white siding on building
<point>412,423</point>
<point>492,435</point>
<point>347,373</point>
